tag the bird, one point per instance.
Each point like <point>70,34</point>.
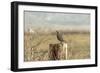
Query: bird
<point>59,36</point>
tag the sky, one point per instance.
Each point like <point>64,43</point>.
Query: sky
<point>56,20</point>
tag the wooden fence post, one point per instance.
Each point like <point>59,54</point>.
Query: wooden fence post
<point>58,51</point>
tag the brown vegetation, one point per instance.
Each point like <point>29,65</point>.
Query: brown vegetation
<point>36,46</point>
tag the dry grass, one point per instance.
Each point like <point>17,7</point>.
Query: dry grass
<point>37,46</point>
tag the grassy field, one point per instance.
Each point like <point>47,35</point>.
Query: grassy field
<point>36,46</point>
